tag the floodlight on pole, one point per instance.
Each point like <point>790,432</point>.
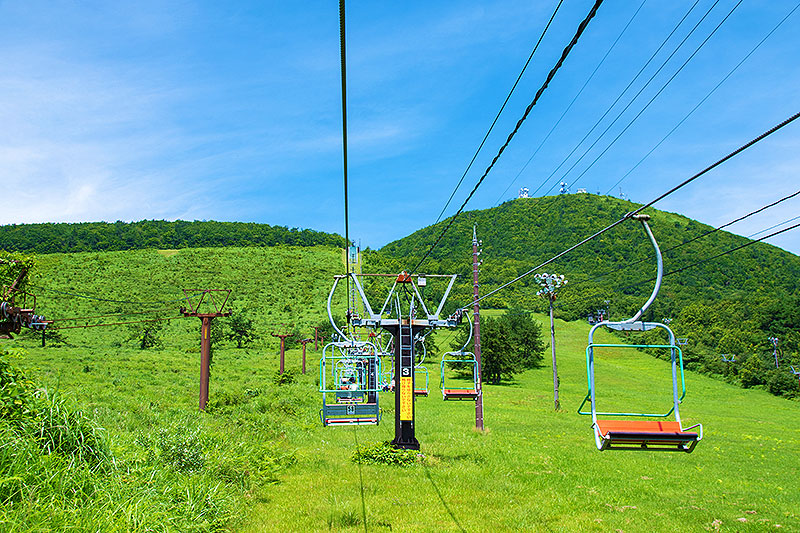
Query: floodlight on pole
<point>550,283</point>
<point>774,341</point>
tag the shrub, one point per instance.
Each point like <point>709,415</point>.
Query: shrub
<point>782,383</point>
<point>17,398</point>
<point>286,378</point>
<point>384,453</point>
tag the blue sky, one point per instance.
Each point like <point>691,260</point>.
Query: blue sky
<point>231,111</point>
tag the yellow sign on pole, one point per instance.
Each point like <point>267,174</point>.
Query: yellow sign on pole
<point>406,398</point>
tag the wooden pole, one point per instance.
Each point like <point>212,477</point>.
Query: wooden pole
<point>304,342</point>
<point>283,347</point>
<point>316,338</point>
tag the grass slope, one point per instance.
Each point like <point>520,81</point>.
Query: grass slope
<point>538,470</point>
<point>535,469</point>
<point>276,287</point>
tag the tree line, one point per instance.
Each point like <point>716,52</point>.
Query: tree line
<point>161,234</point>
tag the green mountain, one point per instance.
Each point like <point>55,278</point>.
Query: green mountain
<point>727,304</point>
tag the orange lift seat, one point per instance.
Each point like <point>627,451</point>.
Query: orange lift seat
<point>646,435</point>
<point>460,394</point>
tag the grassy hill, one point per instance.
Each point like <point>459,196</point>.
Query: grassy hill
<point>276,287</point>
<point>522,233</point>
<point>730,305</point>
<point>97,434</point>
<point>126,450</point>
<point>265,463</point>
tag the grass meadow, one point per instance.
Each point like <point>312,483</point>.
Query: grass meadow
<point>260,460</point>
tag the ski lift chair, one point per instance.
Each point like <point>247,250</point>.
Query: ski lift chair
<point>460,393</point>
<point>353,383</point>
<point>420,374</point>
<point>462,357</point>
<point>634,432</point>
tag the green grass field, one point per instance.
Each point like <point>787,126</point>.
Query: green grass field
<point>260,460</point>
<point>534,469</point>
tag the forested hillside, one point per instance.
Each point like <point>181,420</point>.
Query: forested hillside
<point>104,236</point>
<point>728,304</point>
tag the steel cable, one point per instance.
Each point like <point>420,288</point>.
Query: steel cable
<point>574,99</point>
<point>117,323</point>
<point>706,97</point>
<point>698,237</point>
<point>636,117</point>
<point>502,107</point>
<point>97,298</point>
<point>630,84</point>
<point>581,27</point>
<point>645,206</point>
<point>717,256</point>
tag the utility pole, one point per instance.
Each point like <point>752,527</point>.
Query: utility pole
<point>550,283</point>
<point>304,342</point>
<point>283,346</point>
<point>212,301</point>
<point>774,341</point>
<point>476,315</point>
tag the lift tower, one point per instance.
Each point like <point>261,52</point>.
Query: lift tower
<point>404,314</point>
<point>210,304</point>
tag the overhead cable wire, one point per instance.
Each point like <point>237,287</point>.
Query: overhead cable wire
<point>773,227</point>
<point>720,161</point>
<point>502,107</point>
<point>118,323</point>
<point>664,251</point>
<point>630,84</point>
<point>706,97</point>
<point>581,27</point>
<point>636,117</point>
<point>652,99</point>
<point>343,56</point>
<point>69,319</point>
<point>717,256</point>
<point>591,76</point>
<point>645,206</point>
<point>734,221</point>
<point>99,299</point>
<point>707,259</point>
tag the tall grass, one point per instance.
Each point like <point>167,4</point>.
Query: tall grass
<point>59,470</point>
